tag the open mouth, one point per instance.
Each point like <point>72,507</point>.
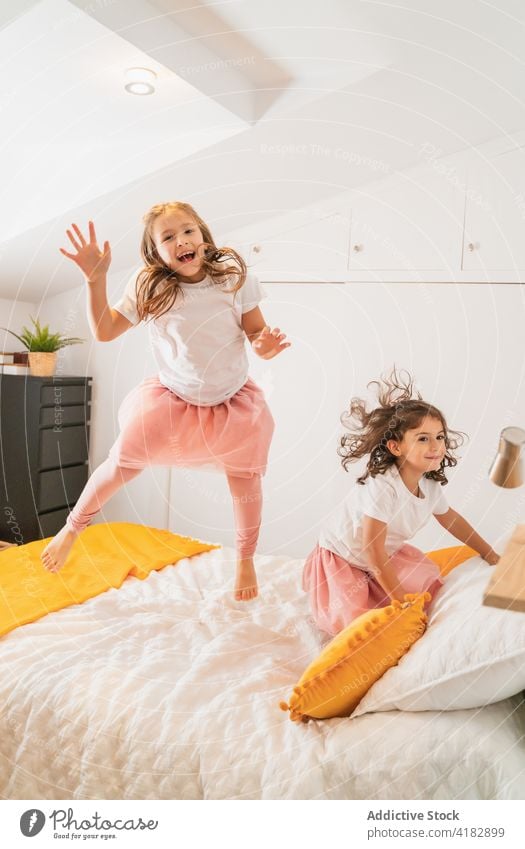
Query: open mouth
<point>188,256</point>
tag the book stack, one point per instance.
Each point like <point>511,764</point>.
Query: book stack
<point>14,363</point>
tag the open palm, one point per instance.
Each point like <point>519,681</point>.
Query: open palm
<point>269,343</point>
<point>93,262</point>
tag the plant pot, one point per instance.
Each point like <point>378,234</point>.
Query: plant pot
<point>42,363</point>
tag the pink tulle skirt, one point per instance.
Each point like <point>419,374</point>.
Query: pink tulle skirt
<point>340,592</point>
<point>159,428</point>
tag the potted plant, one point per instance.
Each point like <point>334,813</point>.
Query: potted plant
<point>42,347</point>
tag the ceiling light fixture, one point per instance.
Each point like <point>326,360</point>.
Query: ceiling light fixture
<point>140,81</point>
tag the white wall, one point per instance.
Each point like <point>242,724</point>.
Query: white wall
<point>14,315</point>
<point>460,343</point>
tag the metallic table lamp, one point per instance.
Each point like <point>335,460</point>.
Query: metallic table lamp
<point>506,588</point>
<point>507,469</point>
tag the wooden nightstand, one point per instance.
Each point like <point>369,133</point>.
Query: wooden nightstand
<point>506,587</point>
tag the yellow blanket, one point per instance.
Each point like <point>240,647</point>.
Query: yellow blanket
<point>103,556</point>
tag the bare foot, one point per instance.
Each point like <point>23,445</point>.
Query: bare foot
<point>245,580</point>
<point>55,553</point>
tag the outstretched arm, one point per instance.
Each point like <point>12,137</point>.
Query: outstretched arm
<point>456,525</point>
<point>374,538</point>
<point>106,323</point>
<point>265,342</point>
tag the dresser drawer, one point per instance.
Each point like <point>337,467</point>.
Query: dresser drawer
<point>59,395</point>
<point>61,486</point>
<point>65,447</point>
<point>50,523</point>
<point>58,416</point>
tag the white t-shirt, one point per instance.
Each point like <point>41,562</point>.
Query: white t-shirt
<point>386,498</point>
<point>199,344</point>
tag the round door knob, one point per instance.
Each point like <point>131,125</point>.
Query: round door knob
<point>357,248</point>
<point>256,249</point>
<point>472,246</point>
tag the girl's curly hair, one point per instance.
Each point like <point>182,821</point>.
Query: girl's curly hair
<point>158,285</point>
<point>400,408</point>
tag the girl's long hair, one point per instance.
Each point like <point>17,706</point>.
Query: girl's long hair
<point>400,408</point>
<point>158,286</point>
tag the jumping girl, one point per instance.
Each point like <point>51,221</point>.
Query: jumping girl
<point>202,409</point>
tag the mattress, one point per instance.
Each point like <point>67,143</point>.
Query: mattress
<point>168,689</point>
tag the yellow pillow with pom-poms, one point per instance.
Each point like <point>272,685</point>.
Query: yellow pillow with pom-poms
<point>337,680</point>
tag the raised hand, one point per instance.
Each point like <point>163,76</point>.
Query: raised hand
<point>93,262</point>
<point>269,343</point>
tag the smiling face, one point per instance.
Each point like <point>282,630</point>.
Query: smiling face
<point>179,243</point>
<point>422,448</point>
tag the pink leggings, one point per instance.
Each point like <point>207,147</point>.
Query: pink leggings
<point>109,477</point>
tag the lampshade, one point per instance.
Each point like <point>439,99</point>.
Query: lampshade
<point>507,468</point>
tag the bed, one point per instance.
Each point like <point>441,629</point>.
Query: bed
<point>169,689</point>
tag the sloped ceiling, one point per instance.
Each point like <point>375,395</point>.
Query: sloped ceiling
<point>259,108</point>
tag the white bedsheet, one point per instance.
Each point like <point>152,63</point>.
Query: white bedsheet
<point>169,689</point>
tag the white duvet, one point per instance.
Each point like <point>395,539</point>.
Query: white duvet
<point>169,689</point>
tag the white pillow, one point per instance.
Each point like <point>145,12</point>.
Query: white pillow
<point>470,655</point>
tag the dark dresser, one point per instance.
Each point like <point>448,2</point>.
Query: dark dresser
<point>44,442</point>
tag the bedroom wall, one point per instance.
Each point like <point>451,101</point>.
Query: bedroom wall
<point>459,341</point>
<point>14,315</point>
